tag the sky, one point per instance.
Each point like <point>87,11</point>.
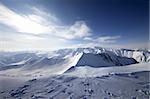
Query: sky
<point>54,24</point>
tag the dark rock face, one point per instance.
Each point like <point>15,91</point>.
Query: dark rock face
<point>104,60</point>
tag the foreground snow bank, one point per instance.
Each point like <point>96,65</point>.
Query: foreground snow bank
<point>87,71</point>
<point>116,86</point>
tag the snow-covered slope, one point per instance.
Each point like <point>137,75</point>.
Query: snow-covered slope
<point>88,71</point>
<point>43,66</point>
<point>116,86</point>
<point>138,55</point>
<point>81,73</point>
<point>56,62</point>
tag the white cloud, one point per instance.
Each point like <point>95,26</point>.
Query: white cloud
<point>87,39</point>
<point>107,39</point>
<point>19,22</point>
<point>139,45</point>
<point>78,30</point>
<point>42,30</point>
<point>41,22</point>
<point>29,42</point>
<point>51,17</point>
<point>103,39</point>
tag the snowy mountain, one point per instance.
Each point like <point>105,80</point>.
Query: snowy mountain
<point>79,73</point>
<point>60,61</point>
<point>88,71</point>
<point>104,59</point>
<point>123,82</point>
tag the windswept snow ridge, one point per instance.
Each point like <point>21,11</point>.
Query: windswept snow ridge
<point>88,71</point>
<point>59,61</point>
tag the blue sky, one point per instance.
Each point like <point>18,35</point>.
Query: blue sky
<point>53,24</point>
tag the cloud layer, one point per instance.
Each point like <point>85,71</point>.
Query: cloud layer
<point>41,22</point>
<point>43,30</point>
<point>103,39</point>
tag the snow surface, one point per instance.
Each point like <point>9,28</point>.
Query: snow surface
<point>116,86</point>
<point>88,71</point>
<point>81,73</point>
<point>45,68</point>
<point>56,62</point>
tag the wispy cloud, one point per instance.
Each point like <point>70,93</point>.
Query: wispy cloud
<point>38,30</point>
<point>107,39</point>
<point>43,30</point>
<point>41,22</point>
<point>78,30</point>
<point>19,22</point>
<point>47,16</point>
<point>103,39</point>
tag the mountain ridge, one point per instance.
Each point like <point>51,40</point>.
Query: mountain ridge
<point>63,59</point>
